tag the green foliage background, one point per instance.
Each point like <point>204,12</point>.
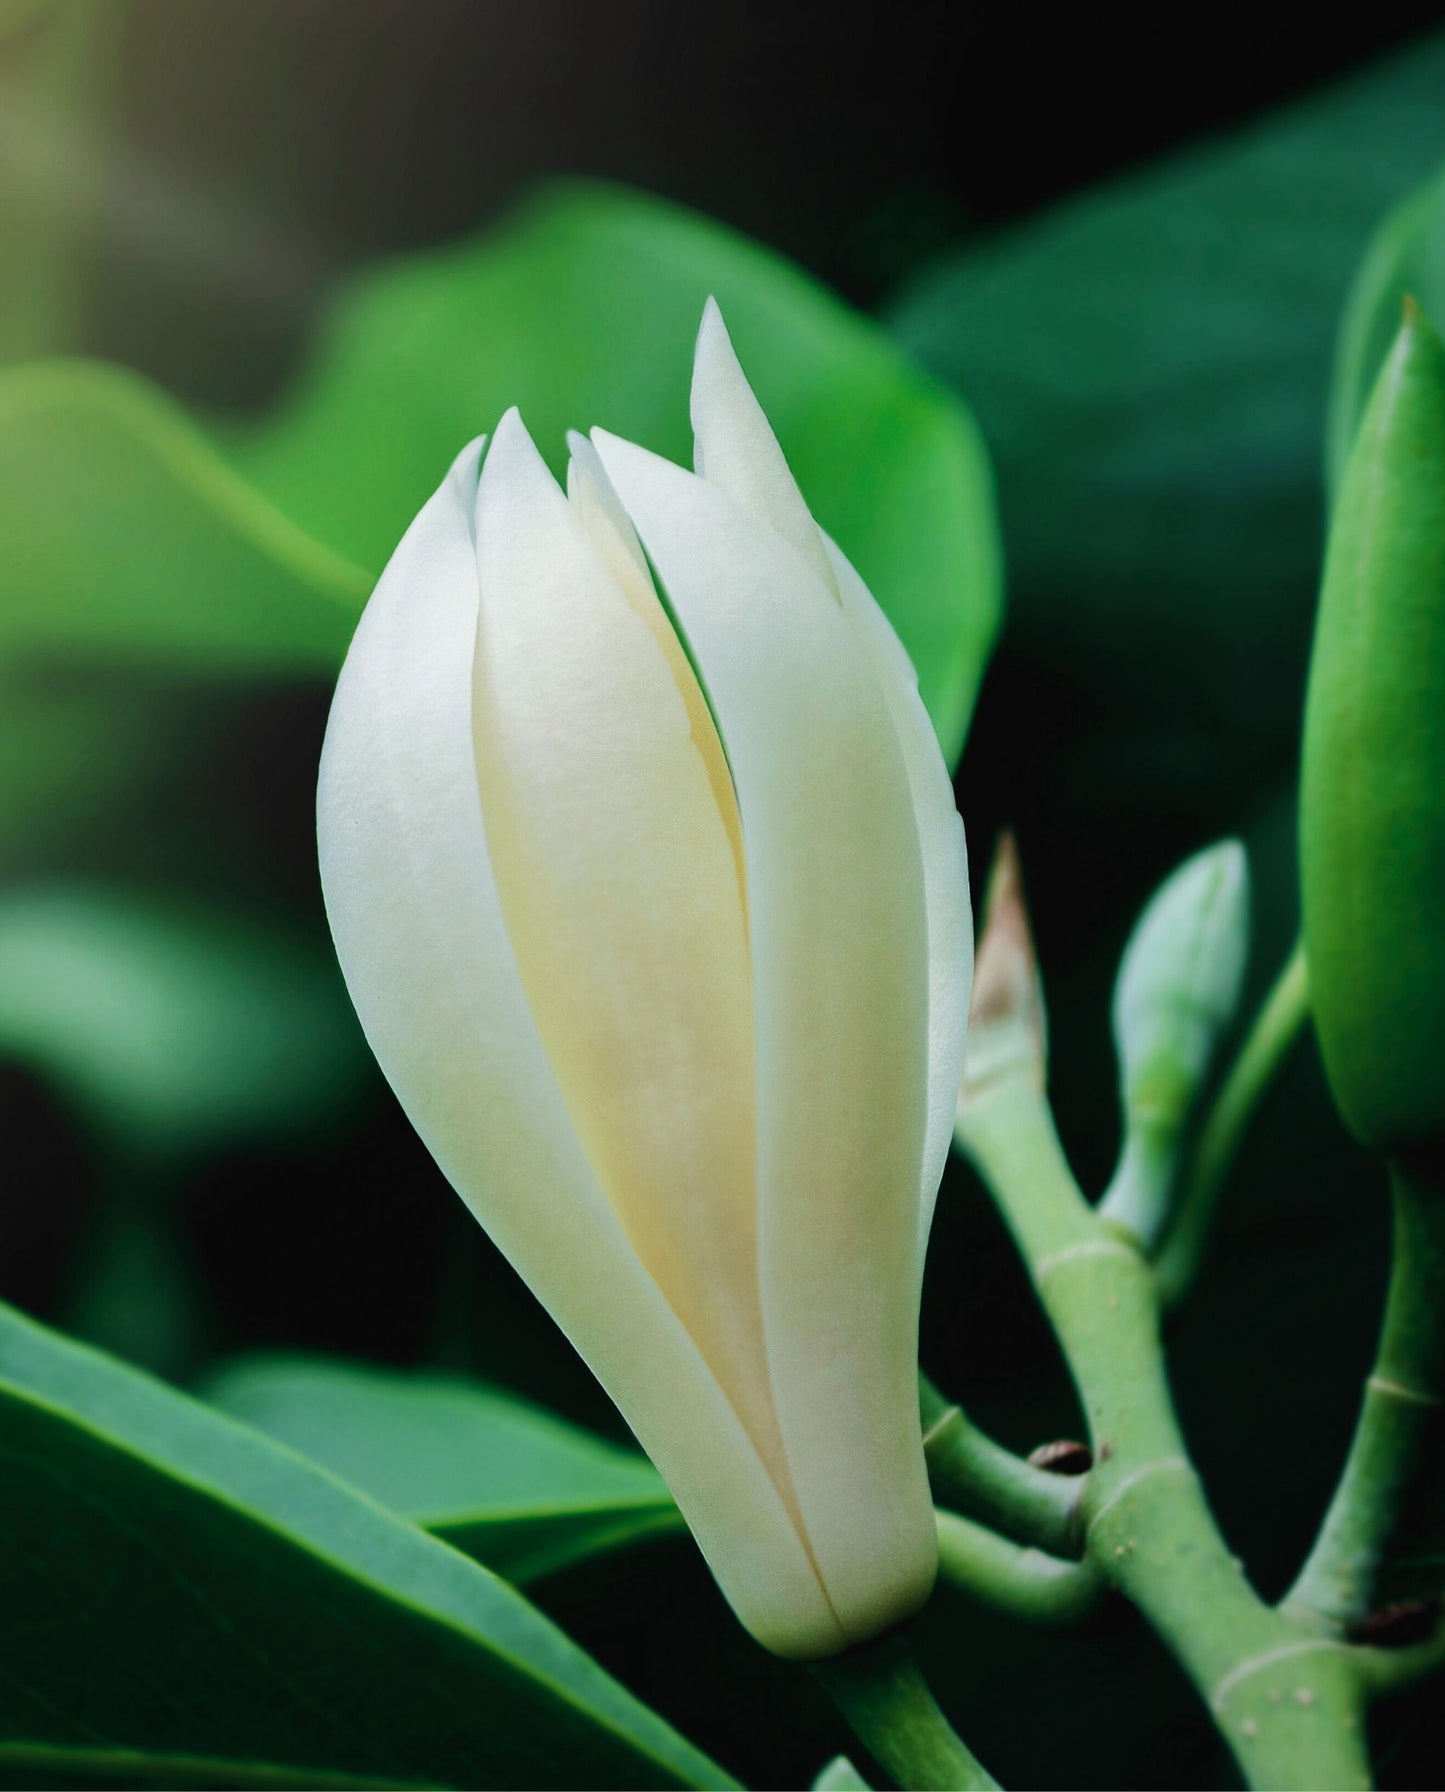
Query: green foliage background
<point>1131,398</point>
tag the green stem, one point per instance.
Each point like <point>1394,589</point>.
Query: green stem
<point>1387,1671</point>
<point>1139,1201</point>
<point>879,1689</point>
<point>976,1476</point>
<point>1277,1026</point>
<point>1288,1703</point>
<point>1012,1578</point>
<point>1382,1514</point>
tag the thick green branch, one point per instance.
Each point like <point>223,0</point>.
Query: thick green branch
<point>879,1689</point>
<point>1383,1536</point>
<point>1288,1702</point>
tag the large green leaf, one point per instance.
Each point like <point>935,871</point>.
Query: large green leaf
<point>128,542</point>
<point>1150,363</point>
<point>517,1488</point>
<point>175,1583</point>
<point>125,539</point>
<point>173,1025</point>
<point>1406,257</point>
<point>123,535</point>
<point>132,558</point>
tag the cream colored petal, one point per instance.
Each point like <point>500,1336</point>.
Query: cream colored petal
<point>735,448</point>
<point>419,929</point>
<point>945,872</point>
<point>591,494</point>
<point>605,520</point>
<point>839,934</point>
<point>620,889</point>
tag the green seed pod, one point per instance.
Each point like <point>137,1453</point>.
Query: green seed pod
<point>1177,991</point>
<point>1372,820</point>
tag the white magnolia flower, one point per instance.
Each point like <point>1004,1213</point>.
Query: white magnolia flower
<point>669,969</point>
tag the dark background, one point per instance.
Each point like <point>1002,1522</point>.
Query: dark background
<point>267,145</point>
<point>256,152</point>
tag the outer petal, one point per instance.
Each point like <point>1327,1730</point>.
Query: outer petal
<point>836,899</point>
<point>737,450</point>
<point>945,873</point>
<point>418,926</point>
<point>611,529</point>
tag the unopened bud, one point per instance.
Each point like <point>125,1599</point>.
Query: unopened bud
<point>1007,1029</point>
<point>1178,989</point>
<point>1372,819</point>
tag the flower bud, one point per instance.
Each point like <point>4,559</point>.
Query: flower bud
<point>1007,1023</point>
<point>1178,988</point>
<point>669,967</point>
<point>1372,818</point>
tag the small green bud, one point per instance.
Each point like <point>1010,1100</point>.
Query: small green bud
<point>840,1775</point>
<point>1178,988</point>
<point>1372,817</point>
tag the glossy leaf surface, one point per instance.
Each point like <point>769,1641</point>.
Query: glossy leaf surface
<point>225,1599</point>
<point>519,1489</point>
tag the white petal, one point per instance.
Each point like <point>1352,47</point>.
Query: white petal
<point>945,872</point>
<point>836,899</point>
<point>418,924</point>
<point>620,890</point>
<point>602,515</point>
<point>735,448</point>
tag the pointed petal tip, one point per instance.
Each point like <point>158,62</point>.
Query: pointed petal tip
<point>616,452</point>
<point>513,457</point>
<point>1007,1033</point>
<point>714,357</point>
<point>712,331</point>
<point>466,467</point>
<point>1004,902</point>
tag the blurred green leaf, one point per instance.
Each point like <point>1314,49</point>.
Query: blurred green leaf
<point>1406,256</point>
<point>129,551</point>
<point>223,1598</point>
<point>174,1025</point>
<point>78,756</point>
<point>582,308</point>
<point>132,1290</point>
<point>128,542</point>
<point>519,1489</point>
<point>1150,363</point>
<point>125,539</point>
<point>29,1766</point>
<point>56,65</point>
